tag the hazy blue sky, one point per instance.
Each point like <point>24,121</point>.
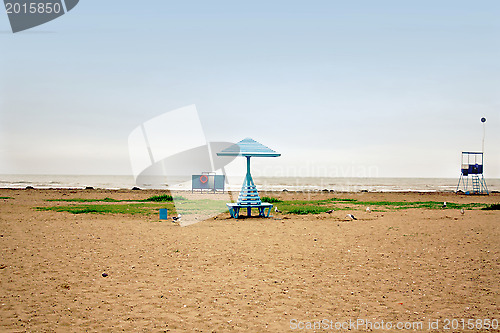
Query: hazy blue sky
<point>340,88</point>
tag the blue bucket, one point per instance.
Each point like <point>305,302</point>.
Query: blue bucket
<point>163,214</point>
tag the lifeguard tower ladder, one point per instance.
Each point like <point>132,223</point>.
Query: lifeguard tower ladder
<point>471,177</point>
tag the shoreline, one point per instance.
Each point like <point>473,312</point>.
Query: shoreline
<point>263,184</point>
<point>325,191</point>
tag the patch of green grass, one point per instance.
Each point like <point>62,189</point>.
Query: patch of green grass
<point>164,198</point>
<point>270,200</point>
<point>133,209</point>
<point>84,210</point>
<point>306,210</point>
<point>419,204</point>
<point>85,200</point>
<point>5,198</point>
<point>291,207</point>
<point>492,207</point>
<point>205,206</point>
<point>156,198</point>
<point>299,207</point>
<point>339,200</point>
<point>202,206</point>
<point>160,198</point>
<point>302,207</point>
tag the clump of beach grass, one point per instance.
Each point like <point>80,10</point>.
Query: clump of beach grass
<point>306,210</point>
<point>85,200</point>
<point>270,200</point>
<point>164,198</point>
<point>495,206</point>
<point>130,209</point>
<point>160,198</point>
<point>155,198</point>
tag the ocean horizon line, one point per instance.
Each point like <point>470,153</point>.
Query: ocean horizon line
<point>233,183</point>
<point>234,176</point>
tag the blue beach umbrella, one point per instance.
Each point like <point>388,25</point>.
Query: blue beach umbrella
<point>248,148</point>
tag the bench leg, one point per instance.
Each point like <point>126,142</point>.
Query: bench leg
<point>262,212</point>
<point>236,212</point>
<point>268,211</point>
<point>249,211</point>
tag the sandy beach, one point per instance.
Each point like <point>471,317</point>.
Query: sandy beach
<point>255,275</point>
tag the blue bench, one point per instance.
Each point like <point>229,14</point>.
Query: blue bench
<point>264,209</point>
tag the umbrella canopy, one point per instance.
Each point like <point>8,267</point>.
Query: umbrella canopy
<point>250,148</point>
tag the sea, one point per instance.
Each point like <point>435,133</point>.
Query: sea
<point>234,183</point>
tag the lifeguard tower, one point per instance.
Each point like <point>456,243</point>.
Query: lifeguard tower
<point>471,177</point>
<point>249,197</point>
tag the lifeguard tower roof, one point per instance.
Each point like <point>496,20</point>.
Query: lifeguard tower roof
<point>248,147</point>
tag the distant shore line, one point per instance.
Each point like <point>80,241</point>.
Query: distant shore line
<point>291,184</point>
<point>91,188</point>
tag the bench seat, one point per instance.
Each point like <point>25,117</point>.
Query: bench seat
<point>264,209</point>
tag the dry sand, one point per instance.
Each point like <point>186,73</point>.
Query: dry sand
<point>253,275</point>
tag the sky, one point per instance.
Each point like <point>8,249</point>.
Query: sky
<point>339,88</point>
